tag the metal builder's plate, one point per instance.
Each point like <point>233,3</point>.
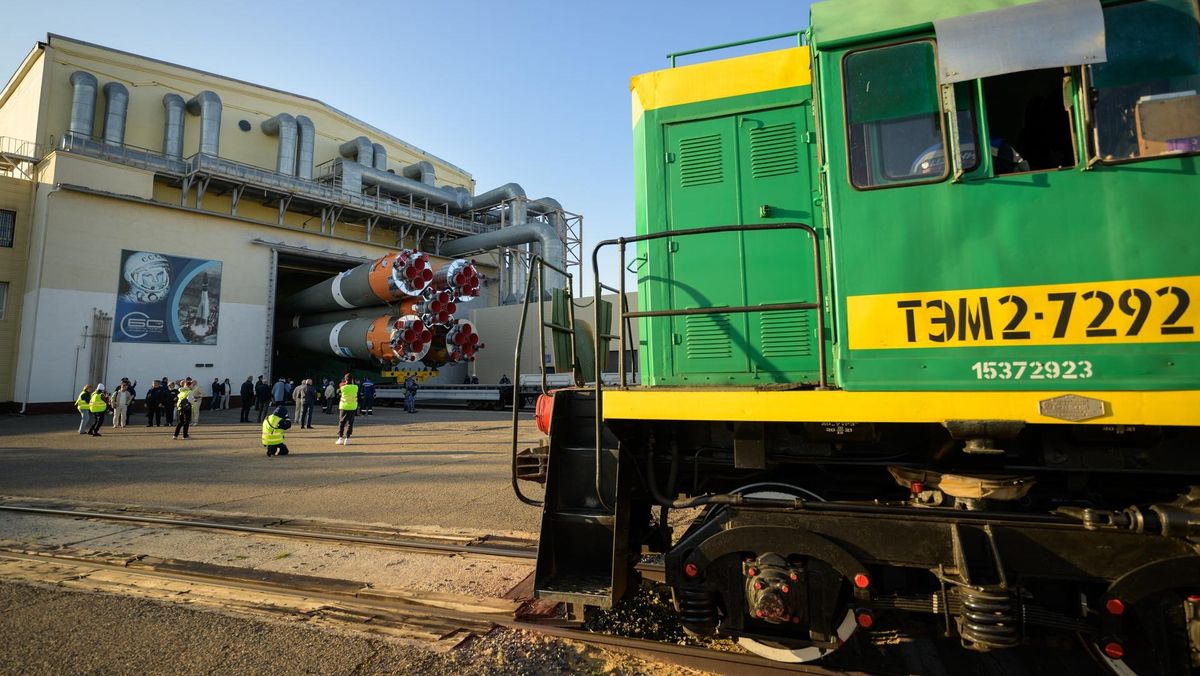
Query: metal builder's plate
<point>1072,408</point>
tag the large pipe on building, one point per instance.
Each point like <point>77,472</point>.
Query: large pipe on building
<point>539,232</point>
<point>83,103</point>
<point>388,279</point>
<point>306,147</point>
<point>358,174</point>
<point>379,156</point>
<point>283,126</point>
<point>173,107</point>
<point>422,171</point>
<point>386,338</point>
<point>360,149</point>
<point>116,107</point>
<point>207,105</point>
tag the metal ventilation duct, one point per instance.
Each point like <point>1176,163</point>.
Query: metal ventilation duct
<point>360,150</point>
<point>421,171</point>
<point>307,141</point>
<point>356,175</point>
<point>116,107</point>
<point>207,105</point>
<point>173,129</point>
<point>283,126</point>
<point>380,156</point>
<point>83,103</point>
<point>538,232</point>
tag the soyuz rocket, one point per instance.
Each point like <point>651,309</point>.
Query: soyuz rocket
<point>395,309</point>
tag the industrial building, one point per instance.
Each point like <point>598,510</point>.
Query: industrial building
<point>129,183</point>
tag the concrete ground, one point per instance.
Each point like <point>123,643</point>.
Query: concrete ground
<point>444,467</point>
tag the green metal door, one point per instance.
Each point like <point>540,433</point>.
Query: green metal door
<point>751,168</point>
<point>705,270</point>
<point>776,187</point>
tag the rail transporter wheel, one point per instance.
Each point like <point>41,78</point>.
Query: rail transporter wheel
<point>768,577</point>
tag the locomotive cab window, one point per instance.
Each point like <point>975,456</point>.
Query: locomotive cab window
<point>1146,98</point>
<point>1029,125</point>
<point>894,120</point>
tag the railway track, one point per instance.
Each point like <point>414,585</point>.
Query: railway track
<point>431,618</point>
<point>503,547</point>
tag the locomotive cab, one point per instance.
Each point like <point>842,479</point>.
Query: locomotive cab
<point>917,340</point>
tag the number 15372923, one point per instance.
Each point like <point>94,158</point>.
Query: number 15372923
<point>1033,370</point>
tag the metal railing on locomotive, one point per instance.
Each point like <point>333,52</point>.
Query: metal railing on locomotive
<point>537,270</point>
<point>624,325</point>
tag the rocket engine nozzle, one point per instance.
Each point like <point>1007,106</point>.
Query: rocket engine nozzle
<point>454,343</point>
<point>460,278</point>
<point>408,272</point>
<point>410,339</point>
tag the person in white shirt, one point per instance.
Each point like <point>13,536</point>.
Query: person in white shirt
<point>120,404</point>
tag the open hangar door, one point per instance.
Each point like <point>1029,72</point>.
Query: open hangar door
<point>295,272</point>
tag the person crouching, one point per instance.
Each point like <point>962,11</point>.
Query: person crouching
<point>272,431</point>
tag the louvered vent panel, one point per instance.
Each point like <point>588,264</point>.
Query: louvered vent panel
<point>785,334</point>
<point>700,161</point>
<point>708,337</point>
<point>773,150</point>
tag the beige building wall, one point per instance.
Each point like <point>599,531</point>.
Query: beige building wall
<point>15,196</point>
<point>21,99</point>
<point>77,214</point>
<point>77,270</point>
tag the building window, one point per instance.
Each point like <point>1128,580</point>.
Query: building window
<point>8,225</point>
<point>3,300</point>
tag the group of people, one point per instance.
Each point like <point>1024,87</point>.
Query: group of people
<point>348,394</point>
<point>173,400</point>
<point>179,402</point>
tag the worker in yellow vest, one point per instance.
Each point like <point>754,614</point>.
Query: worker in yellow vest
<point>348,407</point>
<point>83,403</point>
<point>272,431</point>
<point>98,404</point>
<point>183,408</point>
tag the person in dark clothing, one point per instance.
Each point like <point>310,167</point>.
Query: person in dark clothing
<point>506,391</point>
<point>262,398</point>
<point>183,408</point>
<point>169,401</point>
<point>247,398</point>
<point>305,397</point>
<point>218,393</point>
<point>368,397</point>
<point>410,394</point>
<point>154,403</point>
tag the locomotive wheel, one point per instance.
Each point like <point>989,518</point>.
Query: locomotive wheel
<point>779,653</point>
<point>769,649</point>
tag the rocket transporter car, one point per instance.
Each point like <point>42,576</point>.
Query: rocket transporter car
<point>946,379</point>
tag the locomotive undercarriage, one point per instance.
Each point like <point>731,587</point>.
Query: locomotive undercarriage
<point>811,532</point>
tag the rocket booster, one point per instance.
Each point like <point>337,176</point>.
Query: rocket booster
<point>393,277</point>
<point>431,307</point>
<point>387,338</point>
<point>460,277</point>
<point>454,343</point>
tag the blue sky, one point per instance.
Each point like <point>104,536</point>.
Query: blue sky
<point>532,92</point>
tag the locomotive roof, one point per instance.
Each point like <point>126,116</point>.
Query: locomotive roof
<point>835,22</point>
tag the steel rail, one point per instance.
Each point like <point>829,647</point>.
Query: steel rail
<point>413,545</point>
<point>652,571</point>
<point>690,656</point>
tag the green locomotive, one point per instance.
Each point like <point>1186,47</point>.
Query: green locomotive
<point>919,330</point>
